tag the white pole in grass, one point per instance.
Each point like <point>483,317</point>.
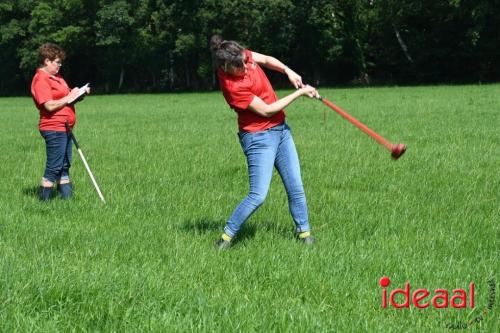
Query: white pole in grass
<point>85,163</point>
<point>91,175</point>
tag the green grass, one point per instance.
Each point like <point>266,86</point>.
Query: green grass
<point>172,171</point>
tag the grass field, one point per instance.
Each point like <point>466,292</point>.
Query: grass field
<point>172,170</point>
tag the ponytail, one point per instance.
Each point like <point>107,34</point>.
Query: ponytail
<point>215,43</point>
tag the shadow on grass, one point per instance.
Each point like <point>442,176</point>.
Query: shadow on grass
<point>273,227</point>
<point>203,226</point>
<point>246,232</point>
<point>31,191</point>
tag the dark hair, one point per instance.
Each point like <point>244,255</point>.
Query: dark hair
<point>226,52</point>
<point>50,51</point>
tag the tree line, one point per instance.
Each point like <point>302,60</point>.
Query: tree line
<point>162,45</point>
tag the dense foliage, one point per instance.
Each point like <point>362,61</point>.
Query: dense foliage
<point>161,45</point>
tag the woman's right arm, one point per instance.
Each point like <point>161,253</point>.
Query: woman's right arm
<point>268,110</point>
<point>58,104</point>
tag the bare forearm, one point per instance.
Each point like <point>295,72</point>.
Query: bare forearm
<point>58,104</point>
<point>268,110</point>
<point>283,102</point>
<point>275,65</point>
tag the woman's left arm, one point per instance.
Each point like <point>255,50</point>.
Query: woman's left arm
<point>276,65</point>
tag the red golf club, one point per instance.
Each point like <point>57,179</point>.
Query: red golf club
<point>396,150</point>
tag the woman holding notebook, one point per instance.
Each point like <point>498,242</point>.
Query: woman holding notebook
<point>54,100</point>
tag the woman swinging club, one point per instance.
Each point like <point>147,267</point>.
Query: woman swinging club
<point>265,137</point>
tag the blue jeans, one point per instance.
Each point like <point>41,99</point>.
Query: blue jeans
<point>59,153</point>
<point>263,150</point>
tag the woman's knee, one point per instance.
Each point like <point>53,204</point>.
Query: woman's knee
<point>257,199</point>
<point>296,192</point>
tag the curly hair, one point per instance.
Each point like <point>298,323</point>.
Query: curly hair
<point>50,51</point>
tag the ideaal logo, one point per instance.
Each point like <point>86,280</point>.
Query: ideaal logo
<point>422,298</point>
<point>460,298</point>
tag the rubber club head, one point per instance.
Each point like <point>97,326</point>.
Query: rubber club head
<point>397,150</point>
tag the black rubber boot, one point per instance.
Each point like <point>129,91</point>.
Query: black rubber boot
<point>45,193</point>
<point>65,190</point>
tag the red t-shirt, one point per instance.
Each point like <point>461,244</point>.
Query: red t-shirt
<point>44,88</point>
<point>240,91</point>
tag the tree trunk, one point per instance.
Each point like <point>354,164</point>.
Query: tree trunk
<point>122,74</point>
<point>171,70</point>
<point>188,79</point>
<point>316,76</point>
<point>363,75</point>
<point>402,43</point>
<point>214,81</point>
